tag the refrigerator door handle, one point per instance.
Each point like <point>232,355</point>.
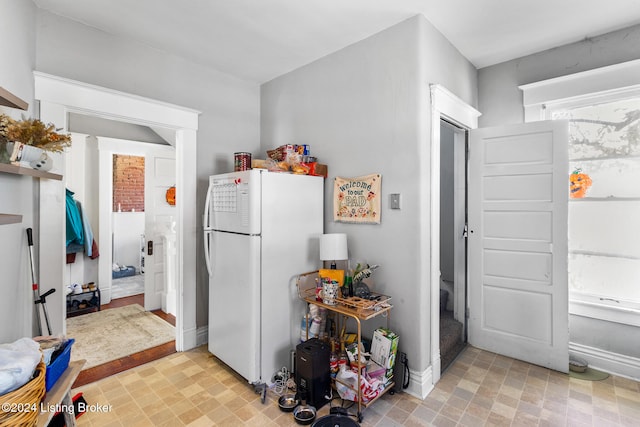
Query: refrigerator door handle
<point>207,250</point>
<point>206,222</point>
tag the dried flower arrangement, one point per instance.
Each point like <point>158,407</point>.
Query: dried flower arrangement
<point>33,132</point>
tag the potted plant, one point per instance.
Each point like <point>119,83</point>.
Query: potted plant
<point>362,271</point>
<point>28,140</point>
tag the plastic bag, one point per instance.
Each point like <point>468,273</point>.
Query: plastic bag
<point>349,377</point>
<point>369,387</point>
<point>18,361</point>
<point>276,166</point>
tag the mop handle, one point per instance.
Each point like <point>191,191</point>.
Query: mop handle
<point>34,283</point>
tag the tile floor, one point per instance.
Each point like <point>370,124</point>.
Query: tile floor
<point>480,388</point>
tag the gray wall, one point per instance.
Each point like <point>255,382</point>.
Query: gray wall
<point>17,44</point>
<point>230,107</point>
<point>363,110</point>
<point>500,102</point>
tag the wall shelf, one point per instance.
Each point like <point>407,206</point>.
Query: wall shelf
<point>10,219</point>
<point>19,170</point>
<point>10,100</point>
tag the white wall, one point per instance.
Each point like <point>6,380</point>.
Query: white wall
<point>17,193</point>
<point>230,107</point>
<point>365,109</point>
<point>80,176</point>
<point>127,229</point>
<point>501,102</point>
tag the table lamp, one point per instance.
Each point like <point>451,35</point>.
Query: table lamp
<point>333,247</point>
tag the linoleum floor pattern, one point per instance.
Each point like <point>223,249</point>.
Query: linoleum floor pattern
<point>481,388</point>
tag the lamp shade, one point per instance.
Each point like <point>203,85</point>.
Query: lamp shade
<point>333,247</point>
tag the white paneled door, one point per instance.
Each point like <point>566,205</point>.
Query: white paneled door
<point>160,216</point>
<point>518,192</point>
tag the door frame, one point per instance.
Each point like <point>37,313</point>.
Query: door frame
<point>58,97</point>
<point>444,105</point>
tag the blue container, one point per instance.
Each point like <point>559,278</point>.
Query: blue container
<point>58,366</point>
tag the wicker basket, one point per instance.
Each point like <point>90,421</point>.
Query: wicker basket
<point>24,403</point>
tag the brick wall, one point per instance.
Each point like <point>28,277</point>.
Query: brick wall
<point>128,183</point>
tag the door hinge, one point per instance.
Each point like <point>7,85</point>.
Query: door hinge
<point>465,231</point>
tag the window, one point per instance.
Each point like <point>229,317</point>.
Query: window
<point>604,208</point>
<point>603,109</point>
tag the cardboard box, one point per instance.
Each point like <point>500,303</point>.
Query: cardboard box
<point>384,347</point>
<point>258,164</point>
<point>319,169</point>
<point>375,371</point>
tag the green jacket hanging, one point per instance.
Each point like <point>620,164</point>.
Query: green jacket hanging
<point>75,234</point>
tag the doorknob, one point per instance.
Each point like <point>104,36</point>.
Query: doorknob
<point>150,247</point>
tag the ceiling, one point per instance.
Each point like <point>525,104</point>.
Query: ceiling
<point>258,40</point>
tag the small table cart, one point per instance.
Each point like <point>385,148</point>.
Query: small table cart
<point>60,394</point>
<point>358,309</point>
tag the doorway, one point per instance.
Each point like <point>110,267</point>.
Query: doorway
<point>128,233</point>
<point>58,97</point>
<point>140,223</point>
<point>444,105</point>
<point>108,176</point>
<point>453,249</point>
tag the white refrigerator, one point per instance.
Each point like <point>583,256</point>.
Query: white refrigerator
<point>260,230</point>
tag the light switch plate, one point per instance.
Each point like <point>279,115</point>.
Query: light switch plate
<point>394,200</point>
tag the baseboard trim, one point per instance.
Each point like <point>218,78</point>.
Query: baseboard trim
<point>202,335</point>
<point>420,384</point>
<point>613,363</point>
<point>105,295</point>
<point>189,339</point>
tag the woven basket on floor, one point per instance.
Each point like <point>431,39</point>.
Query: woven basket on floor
<point>23,404</point>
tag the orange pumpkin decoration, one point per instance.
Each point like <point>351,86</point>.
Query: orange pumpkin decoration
<point>171,196</point>
<point>579,184</point>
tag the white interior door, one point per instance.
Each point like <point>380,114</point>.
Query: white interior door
<point>518,192</point>
<point>160,175</point>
